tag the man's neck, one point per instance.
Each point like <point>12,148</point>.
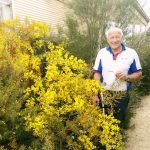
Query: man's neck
<point>118,50</point>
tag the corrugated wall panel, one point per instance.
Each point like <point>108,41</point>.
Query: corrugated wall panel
<point>49,11</point>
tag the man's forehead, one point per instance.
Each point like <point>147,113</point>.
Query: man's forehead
<point>114,33</point>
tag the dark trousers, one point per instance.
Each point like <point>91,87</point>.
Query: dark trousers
<point>120,108</point>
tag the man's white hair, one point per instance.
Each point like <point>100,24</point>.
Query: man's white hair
<point>113,29</point>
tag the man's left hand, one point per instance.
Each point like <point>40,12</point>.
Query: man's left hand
<point>121,76</point>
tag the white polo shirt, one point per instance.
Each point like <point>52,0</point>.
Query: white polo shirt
<point>107,65</point>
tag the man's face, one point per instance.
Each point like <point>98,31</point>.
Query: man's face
<point>114,40</point>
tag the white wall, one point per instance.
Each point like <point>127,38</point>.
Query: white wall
<point>49,11</point>
<point>5,12</point>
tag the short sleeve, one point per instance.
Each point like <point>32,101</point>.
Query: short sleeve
<point>135,65</point>
<point>98,63</point>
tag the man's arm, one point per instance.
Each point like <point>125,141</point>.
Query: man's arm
<point>130,78</point>
<point>134,76</point>
<point>97,76</point>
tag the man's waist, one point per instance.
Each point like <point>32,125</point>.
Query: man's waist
<point>123,91</point>
<point>117,85</point>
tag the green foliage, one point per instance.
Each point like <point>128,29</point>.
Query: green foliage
<point>141,44</point>
<point>77,42</point>
<point>11,92</point>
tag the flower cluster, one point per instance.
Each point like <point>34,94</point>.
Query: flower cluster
<point>64,97</point>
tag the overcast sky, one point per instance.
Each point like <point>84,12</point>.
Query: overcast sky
<point>146,6</point>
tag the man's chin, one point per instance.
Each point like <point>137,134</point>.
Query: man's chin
<point>115,47</point>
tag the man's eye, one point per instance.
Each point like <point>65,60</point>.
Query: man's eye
<point>111,37</point>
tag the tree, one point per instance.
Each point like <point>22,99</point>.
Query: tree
<point>87,24</point>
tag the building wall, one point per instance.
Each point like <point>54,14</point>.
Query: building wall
<point>5,10</point>
<point>53,11</point>
<point>48,11</point>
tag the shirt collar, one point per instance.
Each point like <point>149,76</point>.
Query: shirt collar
<point>110,49</point>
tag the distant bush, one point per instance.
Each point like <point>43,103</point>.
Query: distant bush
<point>141,44</point>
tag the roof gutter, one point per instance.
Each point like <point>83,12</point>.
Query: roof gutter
<point>141,11</point>
<point>5,3</point>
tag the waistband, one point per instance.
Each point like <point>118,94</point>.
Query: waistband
<point>116,94</point>
<point>110,91</point>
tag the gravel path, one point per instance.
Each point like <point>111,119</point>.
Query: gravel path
<point>139,130</point>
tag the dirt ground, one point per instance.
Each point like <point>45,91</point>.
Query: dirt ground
<point>138,134</point>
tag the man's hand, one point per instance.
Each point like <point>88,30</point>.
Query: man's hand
<point>121,76</point>
<point>96,100</point>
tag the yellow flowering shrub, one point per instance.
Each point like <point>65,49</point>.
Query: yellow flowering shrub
<point>58,112</point>
<point>60,104</point>
<point>16,55</point>
<point>12,67</point>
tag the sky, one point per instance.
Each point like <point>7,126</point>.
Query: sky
<point>146,6</point>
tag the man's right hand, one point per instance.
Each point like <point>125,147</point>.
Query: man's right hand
<point>96,100</point>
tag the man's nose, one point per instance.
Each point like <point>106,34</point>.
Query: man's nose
<point>115,39</point>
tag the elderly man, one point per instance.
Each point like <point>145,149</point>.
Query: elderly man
<point>116,67</point>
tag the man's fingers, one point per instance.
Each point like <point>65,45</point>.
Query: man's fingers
<point>96,101</point>
<point>121,75</point>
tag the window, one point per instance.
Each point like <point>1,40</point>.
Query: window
<point>5,9</point>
